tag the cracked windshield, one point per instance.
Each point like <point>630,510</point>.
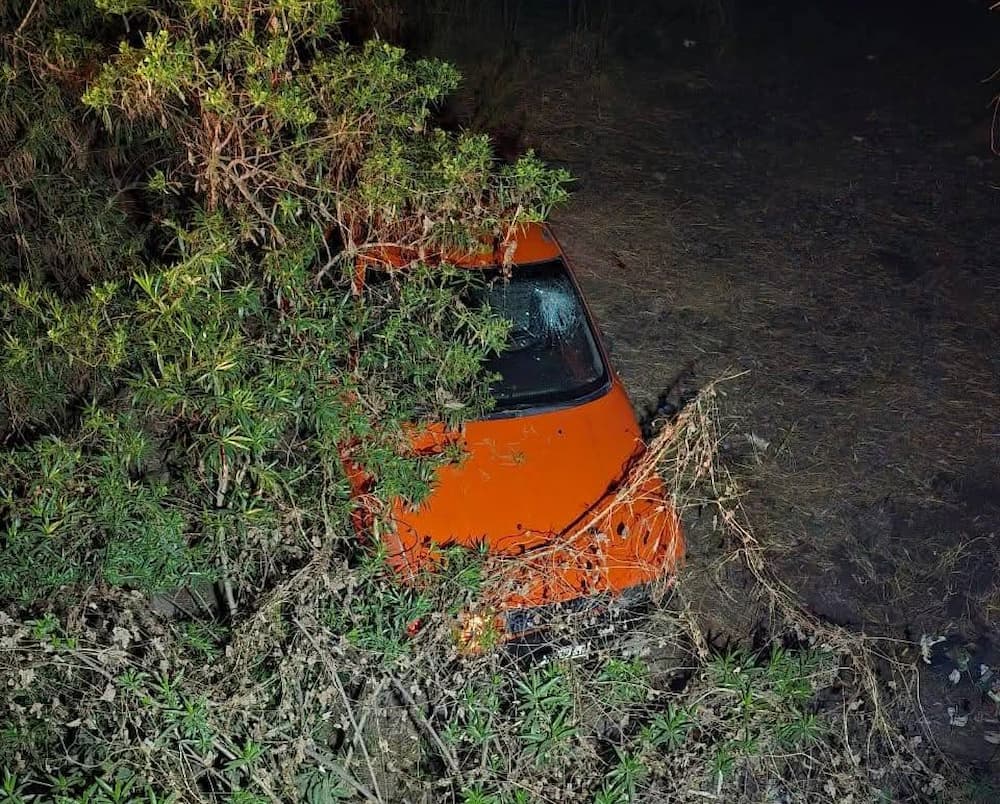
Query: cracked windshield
<point>551,355</point>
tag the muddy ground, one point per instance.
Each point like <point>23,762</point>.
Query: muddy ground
<point>805,198</point>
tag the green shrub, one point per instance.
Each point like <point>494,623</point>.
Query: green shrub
<point>177,387</point>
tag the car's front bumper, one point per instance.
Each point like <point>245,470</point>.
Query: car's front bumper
<point>622,543</point>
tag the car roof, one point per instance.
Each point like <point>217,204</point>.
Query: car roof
<point>529,242</point>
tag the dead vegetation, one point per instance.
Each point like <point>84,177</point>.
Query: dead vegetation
<point>319,694</point>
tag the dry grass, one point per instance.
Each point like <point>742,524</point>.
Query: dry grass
<point>327,709</point>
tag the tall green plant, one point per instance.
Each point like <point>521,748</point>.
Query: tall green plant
<point>66,183</point>
<point>183,410</point>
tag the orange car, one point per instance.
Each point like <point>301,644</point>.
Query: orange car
<point>549,479</point>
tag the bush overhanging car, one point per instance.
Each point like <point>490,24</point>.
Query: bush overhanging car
<point>540,481</point>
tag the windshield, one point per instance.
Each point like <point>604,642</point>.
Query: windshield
<point>552,355</point>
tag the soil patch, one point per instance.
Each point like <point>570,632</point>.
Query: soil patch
<point>816,209</point>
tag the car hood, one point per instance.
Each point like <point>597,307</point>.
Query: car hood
<point>523,479</point>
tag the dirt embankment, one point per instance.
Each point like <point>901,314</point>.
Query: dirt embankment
<point>810,200</point>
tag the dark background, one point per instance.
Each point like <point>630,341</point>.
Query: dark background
<point>803,194</point>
